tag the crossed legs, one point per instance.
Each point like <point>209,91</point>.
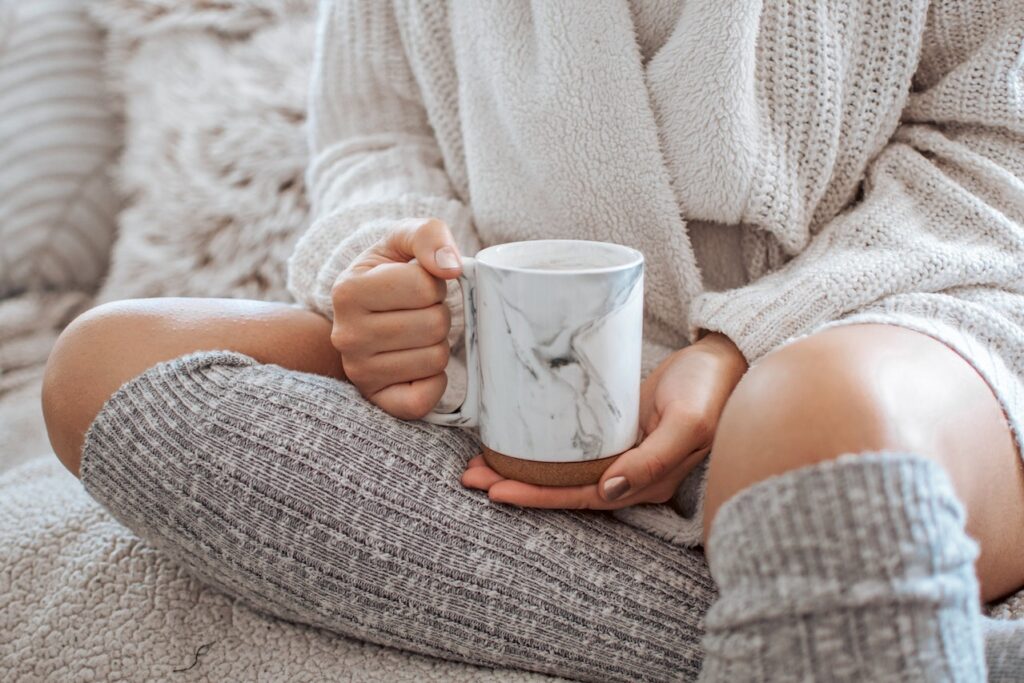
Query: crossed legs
<point>847,390</point>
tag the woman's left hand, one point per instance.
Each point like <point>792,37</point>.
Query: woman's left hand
<point>680,403</point>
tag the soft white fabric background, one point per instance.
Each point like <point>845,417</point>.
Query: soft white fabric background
<point>58,139</point>
<point>215,150</point>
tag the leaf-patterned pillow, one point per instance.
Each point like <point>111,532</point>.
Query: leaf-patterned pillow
<point>58,140</point>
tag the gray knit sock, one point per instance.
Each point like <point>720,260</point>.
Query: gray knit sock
<point>291,492</point>
<point>1004,649</point>
<point>857,569</point>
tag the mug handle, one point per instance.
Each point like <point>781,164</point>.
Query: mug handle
<point>467,415</point>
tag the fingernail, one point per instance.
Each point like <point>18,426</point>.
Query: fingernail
<point>446,258</point>
<point>615,488</point>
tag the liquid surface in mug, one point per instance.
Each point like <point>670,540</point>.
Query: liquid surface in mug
<point>558,256</point>
<point>566,262</point>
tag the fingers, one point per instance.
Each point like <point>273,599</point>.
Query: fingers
<point>479,476</point>
<point>412,400</point>
<point>386,287</point>
<point>373,373</point>
<point>396,330</point>
<point>391,328</point>
<point>477,461</point>
<point>390,321</point>
<point>522,494</point>
<point>659,457</point>
<point>429,241</point>
<point>369,334</point>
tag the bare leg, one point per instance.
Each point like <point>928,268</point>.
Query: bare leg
<point>108,345</point>
<point>860,567</point>
<point>878,387</point>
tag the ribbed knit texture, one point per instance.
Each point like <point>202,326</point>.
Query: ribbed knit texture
<point>293,493</point>
<point>57,140</point>
<point>1004,649</point>
<point>858,569</point>
<point>872,153</point>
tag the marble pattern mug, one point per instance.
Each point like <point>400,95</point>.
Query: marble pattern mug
<point>553,341</point>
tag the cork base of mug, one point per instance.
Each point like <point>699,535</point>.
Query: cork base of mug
<point>578,473</point>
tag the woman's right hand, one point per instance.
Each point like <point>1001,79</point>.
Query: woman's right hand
<point>390,320</point>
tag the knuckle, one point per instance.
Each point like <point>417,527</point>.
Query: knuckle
<point>438,357</point>
<point>428,224</point>
<point>408,223</point>
<point>662,493</point>
<point>388,405</point>
<point>679,411</point>
<point>425,288</point>
<point>344,338</point>
<point>341,289</point>
<point>441,290</point>
<point>661,497</point>
<point>356,371</point>
<point>703,428</point>
<point>440,324</point>
<point>417,404</point>
<point>698,423</point>
<point>655,469</point>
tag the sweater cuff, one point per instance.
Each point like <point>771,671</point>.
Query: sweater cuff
<point>335,240</point>
<point>760,317</point>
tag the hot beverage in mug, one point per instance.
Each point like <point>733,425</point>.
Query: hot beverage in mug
<point>553,339</point>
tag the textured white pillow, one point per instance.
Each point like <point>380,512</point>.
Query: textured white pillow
<point>57,142</point>
<point>215,148</point>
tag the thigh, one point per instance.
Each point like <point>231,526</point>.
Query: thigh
<point>878,387</point>
<point>293,493</point>
<point>110,344</point>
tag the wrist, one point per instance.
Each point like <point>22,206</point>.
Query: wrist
<point>725,348</point>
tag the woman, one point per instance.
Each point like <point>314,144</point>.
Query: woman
<point>830,197</point>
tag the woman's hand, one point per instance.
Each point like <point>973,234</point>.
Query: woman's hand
<point>680,403</point>
<point>390,320</point>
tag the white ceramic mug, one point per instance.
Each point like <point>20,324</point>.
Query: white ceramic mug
<point>553,338</point>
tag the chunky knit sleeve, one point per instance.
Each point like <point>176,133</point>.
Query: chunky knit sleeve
<point>936,242</point>
<point>374,158</point>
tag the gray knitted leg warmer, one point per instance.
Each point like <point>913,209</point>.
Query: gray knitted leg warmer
<point>291,492</point>
<point>857,569</point>
<point>1004,649</point>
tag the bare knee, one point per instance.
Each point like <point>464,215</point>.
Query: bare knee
<point>820,397</point>
<point>110,344</point>
<point>89,362</point>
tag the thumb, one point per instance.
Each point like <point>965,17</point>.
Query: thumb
<point>657,456</point>
<point>430,242</point>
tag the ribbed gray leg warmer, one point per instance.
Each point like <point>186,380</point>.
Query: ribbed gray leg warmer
<point>291,492</point>
<point>1004,650</point>
<point>853,570</point>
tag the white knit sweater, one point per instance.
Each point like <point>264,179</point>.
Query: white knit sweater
<point>870,154</point>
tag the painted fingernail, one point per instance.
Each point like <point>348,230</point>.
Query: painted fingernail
<point>446,258</point>
<point>615,488</point>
